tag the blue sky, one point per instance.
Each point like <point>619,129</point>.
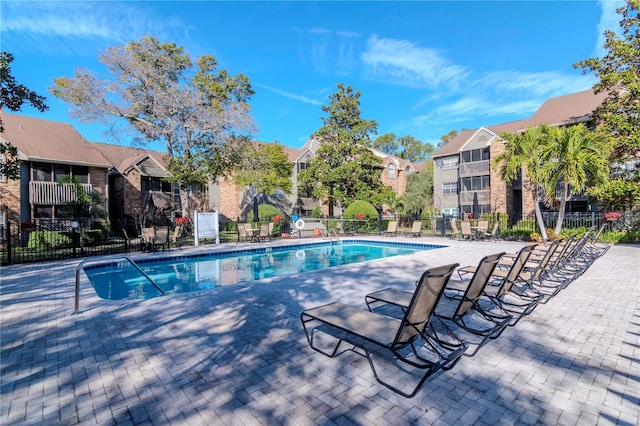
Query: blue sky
<point>423,68</point>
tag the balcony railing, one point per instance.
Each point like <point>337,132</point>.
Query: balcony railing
<point>484,197</point>
<point>53,193</point>
<point>474,168</point>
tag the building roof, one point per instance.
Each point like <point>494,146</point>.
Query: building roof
<point>559,111</point>
<point>568,109</point>
<point>124,158</point>
<point>49,141</point>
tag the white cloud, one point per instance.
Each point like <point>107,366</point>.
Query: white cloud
<point>66,27</point>
<point>290,95</point>
<point>404,63</point>
<point>609,20</point>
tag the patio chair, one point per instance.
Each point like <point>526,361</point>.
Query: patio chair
<point>416,229</point>
<point>161,237</point>
<point>148,236</point>
<point>493,235</point>
<point>242,233</point>
<point>465,230</point>
<point>456,232</point>
<point>384,339</point>
<point>460,305</point>
<point>174,238</point>
<point>130,243</point>
<point>264,234</point>
<point>392,229</point>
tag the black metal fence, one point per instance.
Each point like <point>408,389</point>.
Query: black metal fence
<point>63,239</point>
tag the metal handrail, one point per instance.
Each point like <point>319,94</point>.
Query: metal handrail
<point>334,233</point>
<point>76,308</point>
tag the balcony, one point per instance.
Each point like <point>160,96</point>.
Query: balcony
<point>53,193</point>
<point>484,197</point>
<point>474,168</point>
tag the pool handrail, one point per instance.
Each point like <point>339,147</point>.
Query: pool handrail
<point>334,233</point>
<point>76,307</point>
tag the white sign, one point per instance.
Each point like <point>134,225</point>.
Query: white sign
<point>207,226</point>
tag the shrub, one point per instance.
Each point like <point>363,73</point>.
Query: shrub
<point>360,207</point>
<point>93,237</point>
<point>50,240</point>
<point>266,212</point>
<point>316,213</point>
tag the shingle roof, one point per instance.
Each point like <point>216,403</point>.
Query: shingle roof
<point>567,109</point>
<point>49,141</point>
<point>125,157</point>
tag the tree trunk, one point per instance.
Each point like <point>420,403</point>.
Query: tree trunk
<point>536,206</point>
<point>562,208</point>
<point>184,201</point>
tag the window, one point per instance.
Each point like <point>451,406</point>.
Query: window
<point>80,173</point>
<point>61,172</point>
<point>450,212</point>
<point>475,155</point>
<point>475,183</point>
<point>447,163</point>
<point>392,171</point>
<point>450,188</point>
<point>407,170</point>
<point>41,172</point>
<point>43,212</point>
<point>302,166</point>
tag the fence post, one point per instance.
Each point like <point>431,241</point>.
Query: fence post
<point>443,228</point>
<point>8,239</point>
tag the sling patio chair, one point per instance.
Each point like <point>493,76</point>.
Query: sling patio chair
<point>242,232</point>
<point>460,305</point>
<point>455,231</point>
<point>465,230</point>
<point>493,235</point>
<point>416,229</point>
<point>384,340</point>
<point>392,229</point>
<point>264,234</point>
<point>161,237</point>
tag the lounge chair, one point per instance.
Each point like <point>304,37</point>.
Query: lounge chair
<point>383,338</point>
<point>392,229</point>
<point>416,229</point>
<point>460,305</point>
<point>456,232</point>
<point>508,289</point>
<point>148,237</point>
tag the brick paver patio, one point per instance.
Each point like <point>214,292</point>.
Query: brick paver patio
<point>237,355</point>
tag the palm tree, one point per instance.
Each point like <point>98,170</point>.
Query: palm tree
<point>522,152</point>
<point>575,156</point>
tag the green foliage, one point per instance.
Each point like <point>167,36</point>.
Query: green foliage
<point>525,224</point>
<point>158,93</point>
<point>93,237</point>
<point>419,193</point>
<point>360,207</point>
<point>12,96</point>
<point>49,240</point>
<point>344,169</point>
<point>619,74</point>
<point>406,147</point>
<point>266,212</point>
<point>617,193</point>
<point>316,212</point>
<point>266,167</point>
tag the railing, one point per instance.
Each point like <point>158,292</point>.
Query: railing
<point>76,306</point>
<point>53,193</point>
<point>467,197</point>
<point>474,168</point>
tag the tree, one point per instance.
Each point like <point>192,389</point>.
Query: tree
<point>266,168</point>
<point>386,143</point>
<point>406,147</point>
<point>444,139</point>
<point>12,96</point>
<point>619,75</point>
<point>414,150</point>
<point>158,93</point>
<point>344,169</point>
<point>573,156</point>
<point>522,153</point>
<point>419,192</point>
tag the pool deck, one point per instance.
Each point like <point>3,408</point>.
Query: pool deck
<point>237,355</point>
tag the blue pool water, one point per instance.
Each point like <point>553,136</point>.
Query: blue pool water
<point>121,280</point>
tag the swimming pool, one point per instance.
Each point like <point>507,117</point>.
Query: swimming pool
<point>118,280</point>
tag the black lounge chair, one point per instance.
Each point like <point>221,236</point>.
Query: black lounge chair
<point>403,342</point>
<point>461,305</point>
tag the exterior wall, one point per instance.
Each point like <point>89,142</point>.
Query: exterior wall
<point>527,196</point>
<point>441,176</point>
<point>98,178</point>
<point>499,187</point>
<point>131,186</point>
<point>10,199</point>
<point>398,184</point>
<point>230,199</point>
